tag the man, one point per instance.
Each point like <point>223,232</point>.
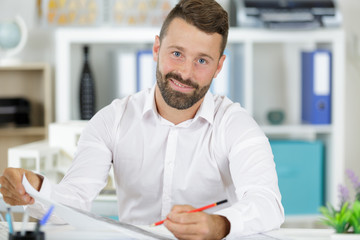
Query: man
<point>175,144</point>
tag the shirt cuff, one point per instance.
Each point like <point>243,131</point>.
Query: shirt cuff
<point>46,187</point>
<point>38,209</point>
<point>236,226</point>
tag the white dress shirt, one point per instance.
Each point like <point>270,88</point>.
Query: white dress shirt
<point>219,154</point>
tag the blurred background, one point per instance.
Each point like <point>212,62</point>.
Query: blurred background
<point>50,48</point>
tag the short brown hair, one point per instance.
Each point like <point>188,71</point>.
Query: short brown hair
<point>206,15</point>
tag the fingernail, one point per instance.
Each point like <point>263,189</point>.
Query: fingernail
<point>25,198</point>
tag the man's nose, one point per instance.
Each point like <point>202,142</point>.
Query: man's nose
<point>187,70</point>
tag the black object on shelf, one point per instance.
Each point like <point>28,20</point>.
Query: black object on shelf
<point>87,89</point>
<point>288,14</point>
<point>14,111</point>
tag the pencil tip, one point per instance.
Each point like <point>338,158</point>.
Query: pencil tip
<point>152,225</point>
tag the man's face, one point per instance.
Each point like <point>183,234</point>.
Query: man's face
<point>187,61</point>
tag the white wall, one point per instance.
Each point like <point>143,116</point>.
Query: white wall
<point>40,47</point>
<point>40,44</point>
<point>351,18</point>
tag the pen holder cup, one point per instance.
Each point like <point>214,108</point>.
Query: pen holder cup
<point>29,235</point>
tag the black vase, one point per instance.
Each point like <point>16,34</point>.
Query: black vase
<point>87,89</point>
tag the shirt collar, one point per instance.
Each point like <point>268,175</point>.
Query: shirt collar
<point>206,110</point>
<point>150,103</point>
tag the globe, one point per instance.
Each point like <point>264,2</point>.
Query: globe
<point>13,36</point>
<point>10,35</point>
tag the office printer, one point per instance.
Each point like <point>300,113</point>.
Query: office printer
<point>14,111</point>
<point>287,14</point>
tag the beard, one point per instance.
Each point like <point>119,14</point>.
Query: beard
<point>177,99</point>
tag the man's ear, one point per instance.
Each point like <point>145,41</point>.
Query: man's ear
<point>156,48</point>
<point>220,65</point>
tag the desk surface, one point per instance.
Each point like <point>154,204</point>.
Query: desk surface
<point>60,232</point>
<point>302,234</point>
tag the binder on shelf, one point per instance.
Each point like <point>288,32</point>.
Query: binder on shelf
<point>316,87</point>
<point>125,73</point>
<point>221,84</point>
<point>146,70</point>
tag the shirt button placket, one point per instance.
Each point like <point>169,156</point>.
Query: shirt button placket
<point>168,171</point>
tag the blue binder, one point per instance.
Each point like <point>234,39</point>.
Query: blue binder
<point>316,87</point>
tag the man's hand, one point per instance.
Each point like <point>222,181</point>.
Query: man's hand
<point>12,189</point>
<point>196,225</point>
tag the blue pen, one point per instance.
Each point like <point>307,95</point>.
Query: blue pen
<point>44,219</point>
<point>9,220</point>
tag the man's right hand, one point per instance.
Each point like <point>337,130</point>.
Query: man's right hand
<point>12,189</point>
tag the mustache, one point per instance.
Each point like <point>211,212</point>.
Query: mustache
<point>177,77</point>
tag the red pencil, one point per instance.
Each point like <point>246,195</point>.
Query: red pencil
<point>194,210</point>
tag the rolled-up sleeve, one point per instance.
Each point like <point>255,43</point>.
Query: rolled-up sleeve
<point>257,204</point>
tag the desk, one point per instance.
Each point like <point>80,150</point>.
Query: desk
<point>68,232</point>
<point>61,232</point>
<point>302,234</point>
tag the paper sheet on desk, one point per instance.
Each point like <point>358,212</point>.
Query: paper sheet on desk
<point>260,237</point>
<point>89,221</point>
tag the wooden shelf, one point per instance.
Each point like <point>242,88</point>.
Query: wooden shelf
<point>23,67</point>
<point>22,131</point>
<point>33,82</point>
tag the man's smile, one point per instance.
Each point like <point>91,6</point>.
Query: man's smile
<point>176,85</point>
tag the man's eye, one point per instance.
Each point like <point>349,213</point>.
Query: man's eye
<point>177,54</point>
<point>202,61</point>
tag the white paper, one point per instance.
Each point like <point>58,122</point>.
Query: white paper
<point>322,74</point>
<point>91,222</point>
<point>126,73</point>
<point>259,237</point>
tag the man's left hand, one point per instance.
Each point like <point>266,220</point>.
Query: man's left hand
<point>196,225</point>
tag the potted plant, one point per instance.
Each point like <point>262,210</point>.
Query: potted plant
<point>346,219</point>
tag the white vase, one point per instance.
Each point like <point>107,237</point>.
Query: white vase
<point>345,236</point>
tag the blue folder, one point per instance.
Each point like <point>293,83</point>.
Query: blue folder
<point>316,87</point>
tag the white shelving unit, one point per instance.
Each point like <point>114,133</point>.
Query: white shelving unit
<point>265,75</point>
<point>33,82</point>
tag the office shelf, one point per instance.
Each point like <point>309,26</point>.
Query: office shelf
<point>33,82</point>
<point>265,75</point>
<point>23,131</point>
<point>306,132</point>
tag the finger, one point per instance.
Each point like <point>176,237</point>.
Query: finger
<point>12,201</point>
<point>5,183</point>
<point>14,177</point>
<point>181,231</point>
<point>181,208</point>
<point>20,199</point>
<point>186,217</point>
<point>7,190</point>
<point>6,186</point>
